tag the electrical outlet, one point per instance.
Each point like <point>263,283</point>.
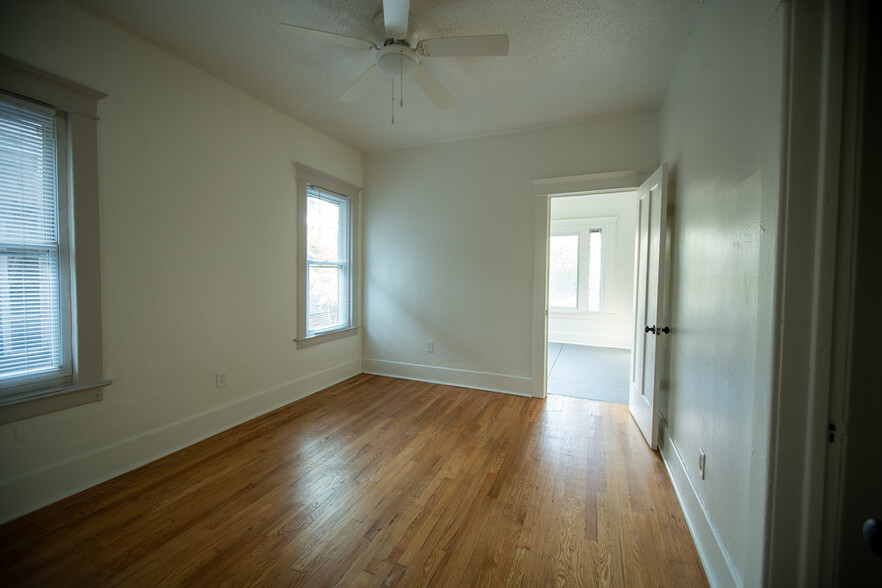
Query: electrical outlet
<point>430,347</point>
<point>221,378</point>
<point>701,462</point>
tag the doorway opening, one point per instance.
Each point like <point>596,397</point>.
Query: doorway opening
<point>590,293</point>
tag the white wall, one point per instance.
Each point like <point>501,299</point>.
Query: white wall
<point>721,133</point>
<point>613,327</point>
<point>449,246</point>
<point>197,205</point>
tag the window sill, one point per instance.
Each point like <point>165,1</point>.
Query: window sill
<point>16,409</point>
<point>325,337</point>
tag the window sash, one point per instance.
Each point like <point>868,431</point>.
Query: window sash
<point>328,307</point>
<point>334,313</point>
<point>35,347</point>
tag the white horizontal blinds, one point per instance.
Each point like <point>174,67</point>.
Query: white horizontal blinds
<point>30,308</point>
<point>327,260</point>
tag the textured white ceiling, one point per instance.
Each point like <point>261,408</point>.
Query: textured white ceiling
<point>568,60</point>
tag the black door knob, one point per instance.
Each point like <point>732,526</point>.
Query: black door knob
<point>649,329</point>
<point>666,330</point>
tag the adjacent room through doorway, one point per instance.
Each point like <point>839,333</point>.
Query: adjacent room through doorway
<point>587,371</point>
<point>590,295</point>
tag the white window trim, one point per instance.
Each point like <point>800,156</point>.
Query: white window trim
<point>581,227</point>
<point>80,106</point>
<point>306,176</point>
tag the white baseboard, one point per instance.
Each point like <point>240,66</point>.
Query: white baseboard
<point>450,376</point>
<point>717,564</point>
<point>32,490</point>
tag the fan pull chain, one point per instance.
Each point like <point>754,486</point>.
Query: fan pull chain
<point>401,80</point>
<point>393,101</point>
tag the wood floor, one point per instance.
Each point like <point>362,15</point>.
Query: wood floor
<point>378,481</point>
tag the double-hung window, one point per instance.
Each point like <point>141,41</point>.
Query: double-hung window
<point>34,285</point>
<point>328,284</point>
<point>581,264</point>
<point>50,280</point>
<point>327,261</point>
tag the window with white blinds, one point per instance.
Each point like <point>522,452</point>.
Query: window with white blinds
<point>34,340</point>
<point>327,260</point>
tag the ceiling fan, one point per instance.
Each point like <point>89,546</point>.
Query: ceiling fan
<point>400,51</point>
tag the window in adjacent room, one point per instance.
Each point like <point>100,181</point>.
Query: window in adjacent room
<point>581,257</point>
<point>327,292</point>
<point>50,281</point>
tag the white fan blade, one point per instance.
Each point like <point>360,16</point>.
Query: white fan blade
<point>477,46</point>
<point>285,29</point>
<point>395,13</point>
<point>432,87</point>
<point>372,76</point>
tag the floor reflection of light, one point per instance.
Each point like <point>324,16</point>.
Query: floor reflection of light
<point>321,468</point>
<point>553,437</point>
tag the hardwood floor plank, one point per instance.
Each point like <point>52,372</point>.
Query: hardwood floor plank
<point>378,481</point>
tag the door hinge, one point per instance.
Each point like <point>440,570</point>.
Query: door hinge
<point>831,432</point>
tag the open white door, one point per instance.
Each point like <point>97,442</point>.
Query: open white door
<point>648,267</point>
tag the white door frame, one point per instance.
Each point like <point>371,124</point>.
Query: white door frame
<point>544,190</point>
<point>812,254</point>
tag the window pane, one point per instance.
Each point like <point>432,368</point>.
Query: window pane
<point>595,257</point>
<point>323,230</point>
<point>30,337</point>
<point>28,191</point>
<point>327,303</point>
<point>328,265</point>
<point>563,271</point>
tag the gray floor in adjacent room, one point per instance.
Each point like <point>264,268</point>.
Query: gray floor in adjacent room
<point>595,373</point>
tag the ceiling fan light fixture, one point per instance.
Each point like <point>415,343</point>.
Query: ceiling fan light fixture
<point>400,49</point>
<point>397,60</point>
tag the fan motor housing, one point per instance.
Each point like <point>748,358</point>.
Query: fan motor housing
<point>397,60</point>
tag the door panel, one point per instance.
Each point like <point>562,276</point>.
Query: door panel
<point>648,279</point>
